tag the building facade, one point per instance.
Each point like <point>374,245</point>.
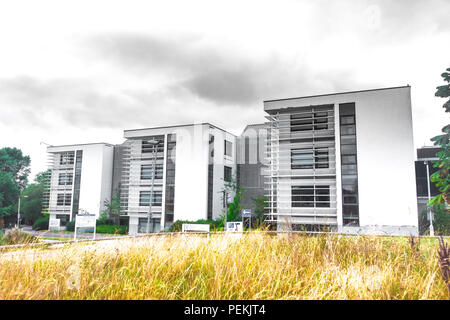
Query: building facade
<point>323,162</point>
<point>333,159</point>
<point>80,180</point>
<point>193,164</point>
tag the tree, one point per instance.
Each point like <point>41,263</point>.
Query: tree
<point>441,177</point>
<point>234,208</point>
<point>32,198</point>
<point>113,209</point>
<point>13,161</point>
<point>260,205</point>
<point>9,193</point>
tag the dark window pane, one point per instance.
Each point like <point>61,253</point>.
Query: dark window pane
<point>227,174</point>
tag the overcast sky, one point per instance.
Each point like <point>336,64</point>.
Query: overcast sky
<point>83,71</point>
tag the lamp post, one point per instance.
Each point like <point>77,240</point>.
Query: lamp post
<point>18,211</point>
<point>430,209</point>
<point>153,143</point>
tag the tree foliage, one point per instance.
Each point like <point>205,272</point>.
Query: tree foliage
<point>260,205</point>
<point>113,209</point>
<point>441,177</point>
<point>13,161</point>
<point>234,208</point>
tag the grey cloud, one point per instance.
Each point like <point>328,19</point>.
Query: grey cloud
<point>77,103</point>
<point>219,76</point>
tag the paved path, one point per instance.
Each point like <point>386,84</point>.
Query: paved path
<point>52,234</point>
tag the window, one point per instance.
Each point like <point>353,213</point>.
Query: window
<point>227,174</point>
<point>63,199</point>
<point>228,148</point>
<point>309,158</point>
<point>155,225</point>
<point>310,196</point>
<point>349,164</point>
<point>148,147</point>
<point>321,161</point>
<point>65,178</point>
<point>309,121</point>
<point>302,159</point>
<point>66,158</point>
<point>144,199</point>
<point>63,219</point>
<point>147,171</point>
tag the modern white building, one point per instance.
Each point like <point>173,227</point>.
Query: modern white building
<point>81,178</point>
<point>193,163</point>
<point>343,160</point>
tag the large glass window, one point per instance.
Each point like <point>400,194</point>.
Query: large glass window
<point>309,120</point>
<point>228,148</point>
<point>147,171</point>
<point>144,198</point>
<point>349,164</point>
<point>65,178</point>
<point>66,158</point>
<point>148,147</point>
<point>63,199</point>
<point>170,179</point>
<point>310,196</point>
<point>155,225</point>
<point>308,158</point>
<point>227,174</point>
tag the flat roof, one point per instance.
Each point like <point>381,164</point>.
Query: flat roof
<point>181,125</point>
<point>80,144</point>
<point>337,93</point>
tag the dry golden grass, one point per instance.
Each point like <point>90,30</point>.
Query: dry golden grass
<point>258,266</point>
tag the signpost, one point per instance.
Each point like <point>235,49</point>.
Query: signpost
<point>247,213</point>
<point>234,226</point>
<point>54,224</point>
<point>85,221</point>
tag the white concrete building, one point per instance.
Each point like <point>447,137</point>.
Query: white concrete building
<point>193,162</point>
<point>343,160</point>
<point>81,179</point>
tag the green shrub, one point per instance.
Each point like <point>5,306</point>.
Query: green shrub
<point>104,220</point>
<point>112,229</point>
<point>41,223</point>
<point>70,226</point>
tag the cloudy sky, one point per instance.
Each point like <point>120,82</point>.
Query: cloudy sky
<point>83,71</point>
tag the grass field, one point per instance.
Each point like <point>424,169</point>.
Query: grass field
<point>257,266</point>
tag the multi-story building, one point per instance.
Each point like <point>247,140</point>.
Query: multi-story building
<point>193,163</point>
<point>81,177</point>
<point>344,161</point>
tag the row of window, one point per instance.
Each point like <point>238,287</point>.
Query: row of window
<point>310,196</point>
<point>308,158</point>
<point>144,198</point>
<point>309,121</point>
<point>67,158</point>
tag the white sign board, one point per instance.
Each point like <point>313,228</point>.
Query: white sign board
<point>85,220</point>
<point>54,223</point>
<point>195,227</point>
<point>234,226</point>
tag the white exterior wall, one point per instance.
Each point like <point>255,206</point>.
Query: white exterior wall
<point>385,155</point>
<point>96,176</point>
